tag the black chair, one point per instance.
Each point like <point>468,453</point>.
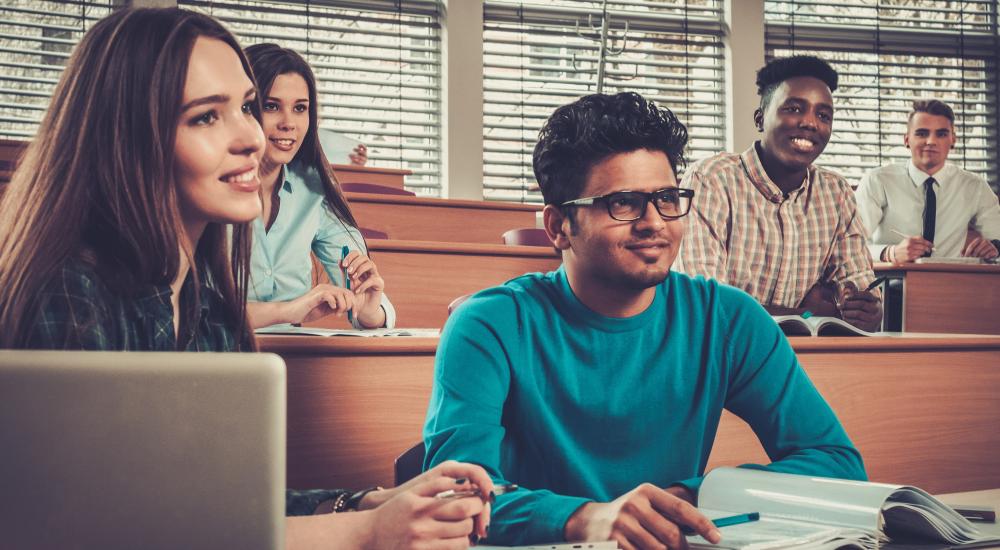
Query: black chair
<point>409,464</point>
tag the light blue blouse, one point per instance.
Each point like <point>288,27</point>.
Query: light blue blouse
<point>281,269</point>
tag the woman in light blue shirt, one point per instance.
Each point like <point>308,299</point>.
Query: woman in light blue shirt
<point>304,211</point>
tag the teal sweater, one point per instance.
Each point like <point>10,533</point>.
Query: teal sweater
<point>574,406</point>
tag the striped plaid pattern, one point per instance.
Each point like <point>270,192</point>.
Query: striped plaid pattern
<point>745,233</point>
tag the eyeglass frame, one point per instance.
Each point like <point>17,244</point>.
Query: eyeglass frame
<point>682,192</point>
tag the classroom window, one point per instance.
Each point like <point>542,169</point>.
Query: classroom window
<point>889,53</point>
<point>534,60</point>
<point>377,65</point>
<point>36,41</point>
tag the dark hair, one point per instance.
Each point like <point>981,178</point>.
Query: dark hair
<point>99,176</point>
<point>270,61</point>
<point>933,107</point>
<point>780,69</point>
<point>579,135</point>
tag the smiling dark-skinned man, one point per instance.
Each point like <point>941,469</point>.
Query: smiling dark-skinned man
<point>770,222</point>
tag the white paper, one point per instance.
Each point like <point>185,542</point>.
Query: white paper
<point>336,146</point>
<point>369,333</point>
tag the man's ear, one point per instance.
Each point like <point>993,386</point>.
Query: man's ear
<point>906,138</point>
<point>758,119</point>
<point>557,226</point>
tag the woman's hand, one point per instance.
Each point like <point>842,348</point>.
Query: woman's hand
<point>320,301</point>
<point>367,286</point>
<point>359,156</point>
<point>409,516</point>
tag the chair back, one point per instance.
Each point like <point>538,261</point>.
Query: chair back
<point>409,464</point>
<point>527,236</point>
<point>374,188</point>
<point>373,233</point>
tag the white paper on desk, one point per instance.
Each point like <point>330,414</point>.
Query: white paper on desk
<point>286,328</point>
<point>950,260</point>
<point>336,146</point>
<point>608,545</point>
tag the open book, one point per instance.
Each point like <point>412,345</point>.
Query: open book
<point>796,325</point>
<point>822,513</point>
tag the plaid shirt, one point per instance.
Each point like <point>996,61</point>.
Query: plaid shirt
<point>80,311</point>
<point>744,232</point>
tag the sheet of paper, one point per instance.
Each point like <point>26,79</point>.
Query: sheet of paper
<point>336,146</point>
<point>371,333</point>
<point>610,545</point>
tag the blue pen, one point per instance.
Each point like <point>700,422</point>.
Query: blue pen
<point>727,521</point>
<point>347,280</point>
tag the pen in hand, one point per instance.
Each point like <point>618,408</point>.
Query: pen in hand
<point>727,521</point>
<point>498,490</point>
<point>347,280</point>
<point>875,283</point>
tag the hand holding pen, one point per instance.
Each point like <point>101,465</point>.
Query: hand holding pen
<point>361,275</point>
<point>860,308</point>
<point>909,249</point>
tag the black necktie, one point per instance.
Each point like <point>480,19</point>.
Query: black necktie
<point>930,210</point>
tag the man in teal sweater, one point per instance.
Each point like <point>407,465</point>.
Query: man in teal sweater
<point>598,388</point>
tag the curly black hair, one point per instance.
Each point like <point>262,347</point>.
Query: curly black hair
<point>780,69</point>
<point>579,135</point>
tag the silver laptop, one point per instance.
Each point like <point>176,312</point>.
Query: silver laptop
<point>141,450</point>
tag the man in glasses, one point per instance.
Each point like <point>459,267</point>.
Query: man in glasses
<point>598,387</point>
<point>770,222</point>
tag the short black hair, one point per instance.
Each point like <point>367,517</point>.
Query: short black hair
<point>579,135</point>
<point>780,69</point>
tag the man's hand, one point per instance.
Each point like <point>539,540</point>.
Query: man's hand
<point>821,300</point>
<point>979,247</point>
<point>645,517</point>
<point>910,249</point>
<point>860,308</point>
<point>359,156</point>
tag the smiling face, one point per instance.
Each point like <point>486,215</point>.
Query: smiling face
<point>796,124</point>
<point>603,253</point>
<point>930,139</point>
<point>285,118</point>
<point>218,141</point>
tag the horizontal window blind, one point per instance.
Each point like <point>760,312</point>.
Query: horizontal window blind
<point>889,54</point>
<point>377,65</point>
<point>36,40</point>
<point>534,61</point>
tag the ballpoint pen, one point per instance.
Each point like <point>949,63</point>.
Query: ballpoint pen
<point>875,283</point>
<point>497,490</point>
<point>727,521</point>
<point>347,280</point>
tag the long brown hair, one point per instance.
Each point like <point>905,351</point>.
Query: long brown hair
<point>99,175</point>
<point>270,61</point>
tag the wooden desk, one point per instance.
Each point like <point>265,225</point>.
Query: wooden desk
<point>922,410</point>
<point>352,173</point>
<point>10,152</point>
<point>422,278</point>
<point>444,220</point>
<point>948,298</point>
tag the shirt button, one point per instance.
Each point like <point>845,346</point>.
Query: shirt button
<point>268,272</point>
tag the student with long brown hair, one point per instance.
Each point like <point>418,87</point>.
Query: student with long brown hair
<point>113,236</point>
<point>304,211</point>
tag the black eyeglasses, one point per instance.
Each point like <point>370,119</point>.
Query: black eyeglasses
<point>626,206</point>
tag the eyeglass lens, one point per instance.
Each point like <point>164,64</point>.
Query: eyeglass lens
<point>630,205</point>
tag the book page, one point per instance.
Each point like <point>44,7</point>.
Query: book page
<point>839,502</point>
<point>769,532</point>
<point>609,545</point>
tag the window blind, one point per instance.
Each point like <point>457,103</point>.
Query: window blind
<point>377,66</point>
<point>889,53</point>
<point>36,39</point>
<point>534,61</point>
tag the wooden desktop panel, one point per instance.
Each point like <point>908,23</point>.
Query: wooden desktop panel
<point>422,278</point>
<point>949,298</point>
<point>445,220</point>
<point>922,411</point>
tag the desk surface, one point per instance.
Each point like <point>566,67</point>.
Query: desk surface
<point>921,409</point>
<point>406,200</point>
<point>881,267</point>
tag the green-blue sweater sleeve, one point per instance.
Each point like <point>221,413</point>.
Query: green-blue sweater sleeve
<point>472,377</point>
<point>769,389</point>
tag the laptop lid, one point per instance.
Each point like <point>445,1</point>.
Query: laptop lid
<point>141,450</point>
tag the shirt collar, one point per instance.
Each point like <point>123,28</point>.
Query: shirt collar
<point>754,169</point>
<point>286,185</point>
<point>918,176</point>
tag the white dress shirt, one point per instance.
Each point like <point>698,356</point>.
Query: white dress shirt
<point>892,197</point>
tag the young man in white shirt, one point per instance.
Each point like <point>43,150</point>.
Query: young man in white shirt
<point>928,206</point>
